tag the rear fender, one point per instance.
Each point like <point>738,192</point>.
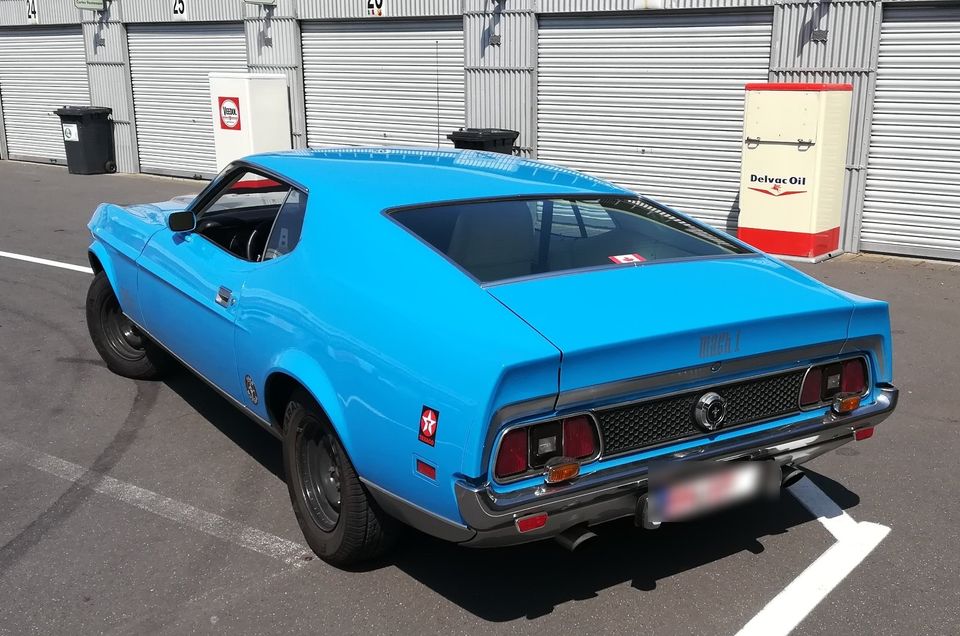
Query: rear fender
<point>308,372</point>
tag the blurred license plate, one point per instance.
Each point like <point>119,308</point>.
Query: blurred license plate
<point>705,492</point>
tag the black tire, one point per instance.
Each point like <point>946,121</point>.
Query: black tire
<point>126,351</point>
<point>110,166</point>
<point>340,521</point>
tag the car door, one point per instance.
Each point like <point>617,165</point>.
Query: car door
<point>189,283</point>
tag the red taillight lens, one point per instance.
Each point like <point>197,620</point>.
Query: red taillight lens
<point>512,458</point>
<point>853,378</point>
<point>579,440</point>
<point>810,393</point>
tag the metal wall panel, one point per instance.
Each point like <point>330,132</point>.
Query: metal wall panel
<point>105,44</point>
<point>169,68</point>
<point>273,46</point>
<point>501,54</point>
<point>653,102</point>
<point>383,82</point>
<point>912,201</point>
<point>848,54</point>
<point>159,11</point>
<point>41,69</point>
<point>352,9</point>
<point>48,12</point>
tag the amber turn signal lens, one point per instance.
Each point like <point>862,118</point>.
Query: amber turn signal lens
<point>845,404</point>
<point>561,472</point>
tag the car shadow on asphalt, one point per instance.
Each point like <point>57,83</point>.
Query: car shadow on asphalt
<point>529,581</point>
<point>227,418</point>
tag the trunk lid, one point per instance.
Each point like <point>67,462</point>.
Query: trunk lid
<point>632,321</point>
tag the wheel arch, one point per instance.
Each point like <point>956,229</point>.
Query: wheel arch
<point>100,261</point>
<point>296,371</point>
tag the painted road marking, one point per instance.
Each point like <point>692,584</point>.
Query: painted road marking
<point>855,541</point>
<point>44,261</point>
<point>289,552</point>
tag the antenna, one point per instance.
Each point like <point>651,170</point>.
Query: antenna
<point>437,65</point>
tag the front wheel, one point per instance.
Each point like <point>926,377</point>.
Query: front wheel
<point>339,520</point>
<point>126,351</point>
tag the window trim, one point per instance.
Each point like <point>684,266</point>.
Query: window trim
<point>749,250</point>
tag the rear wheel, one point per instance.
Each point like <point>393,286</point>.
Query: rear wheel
<point>126,351</point>
<point>339,519</point>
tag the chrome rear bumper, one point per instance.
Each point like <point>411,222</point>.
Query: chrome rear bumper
<point>613,493</point>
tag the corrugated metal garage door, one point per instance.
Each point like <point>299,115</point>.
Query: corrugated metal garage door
<point>653,102</point>
<point>41,69</point>
<point>383,83</point>
<point>169,65</point>
<point>912,201</point>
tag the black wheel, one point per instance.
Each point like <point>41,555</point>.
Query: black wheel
<point>110,166</point>
<point>126,351</point>
<point>339,519</point>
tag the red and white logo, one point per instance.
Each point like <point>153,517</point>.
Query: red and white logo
<point>429,419</point>
<point>229,113</point>
<point>626,259</point>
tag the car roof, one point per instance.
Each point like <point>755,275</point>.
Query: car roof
<point>392,177</point>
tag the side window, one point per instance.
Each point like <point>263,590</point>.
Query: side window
<point>248,191</point>
<point>240,216</point>
<point>286,230</point>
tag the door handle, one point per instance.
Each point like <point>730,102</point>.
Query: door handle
<point>224,297</point>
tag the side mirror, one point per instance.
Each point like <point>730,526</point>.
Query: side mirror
<point>182,221</point>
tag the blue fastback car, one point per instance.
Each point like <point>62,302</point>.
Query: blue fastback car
<point>489,349</point>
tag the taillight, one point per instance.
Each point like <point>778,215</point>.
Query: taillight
<point>579,439</point>
<point>853,379</point>
<point>836,379</point>
<point>531,448</point>
<point>512,459</point>
<point>810,394</point>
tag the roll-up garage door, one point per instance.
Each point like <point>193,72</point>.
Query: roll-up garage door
<point>41,69</point>
<point>169,66</point>
<point>653,102</point>
<point>912,200</point>
<point>383,83</point>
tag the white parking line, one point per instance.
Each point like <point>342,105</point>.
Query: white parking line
<point>290,552</point>
<point>855,541</point>
<point>45,261</point>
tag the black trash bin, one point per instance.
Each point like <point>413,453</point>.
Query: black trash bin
<point>489,139</point>
<point>88,139</point>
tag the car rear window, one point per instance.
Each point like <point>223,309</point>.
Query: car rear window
<point>499,240</point>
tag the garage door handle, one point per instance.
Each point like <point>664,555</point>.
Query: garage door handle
<point>224,297</point>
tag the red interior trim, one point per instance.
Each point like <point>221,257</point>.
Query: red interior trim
<point>773,86</point>
<point>791,243</point>
<point>256,184</point>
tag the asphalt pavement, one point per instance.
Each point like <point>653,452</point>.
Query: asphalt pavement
<point>135,507</point>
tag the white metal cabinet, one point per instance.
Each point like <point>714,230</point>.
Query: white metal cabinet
<point>41,69</point>
<point>912,199</point>
<point>383,82</point>
<point>653,102</point>
<point>169,68</point>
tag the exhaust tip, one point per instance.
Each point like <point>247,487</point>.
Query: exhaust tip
<point>573,538</point>
<point>790,476</point>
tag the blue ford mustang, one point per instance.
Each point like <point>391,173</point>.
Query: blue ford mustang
<point>489,349</point>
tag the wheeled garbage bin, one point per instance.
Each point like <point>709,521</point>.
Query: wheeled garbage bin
<point>489,139</point>
<point>88,139</point>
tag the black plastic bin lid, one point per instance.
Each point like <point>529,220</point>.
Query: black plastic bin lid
<point>483,134</point>
<point>84,111</point>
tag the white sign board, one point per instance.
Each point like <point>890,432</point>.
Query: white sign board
<point>90,5</point>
